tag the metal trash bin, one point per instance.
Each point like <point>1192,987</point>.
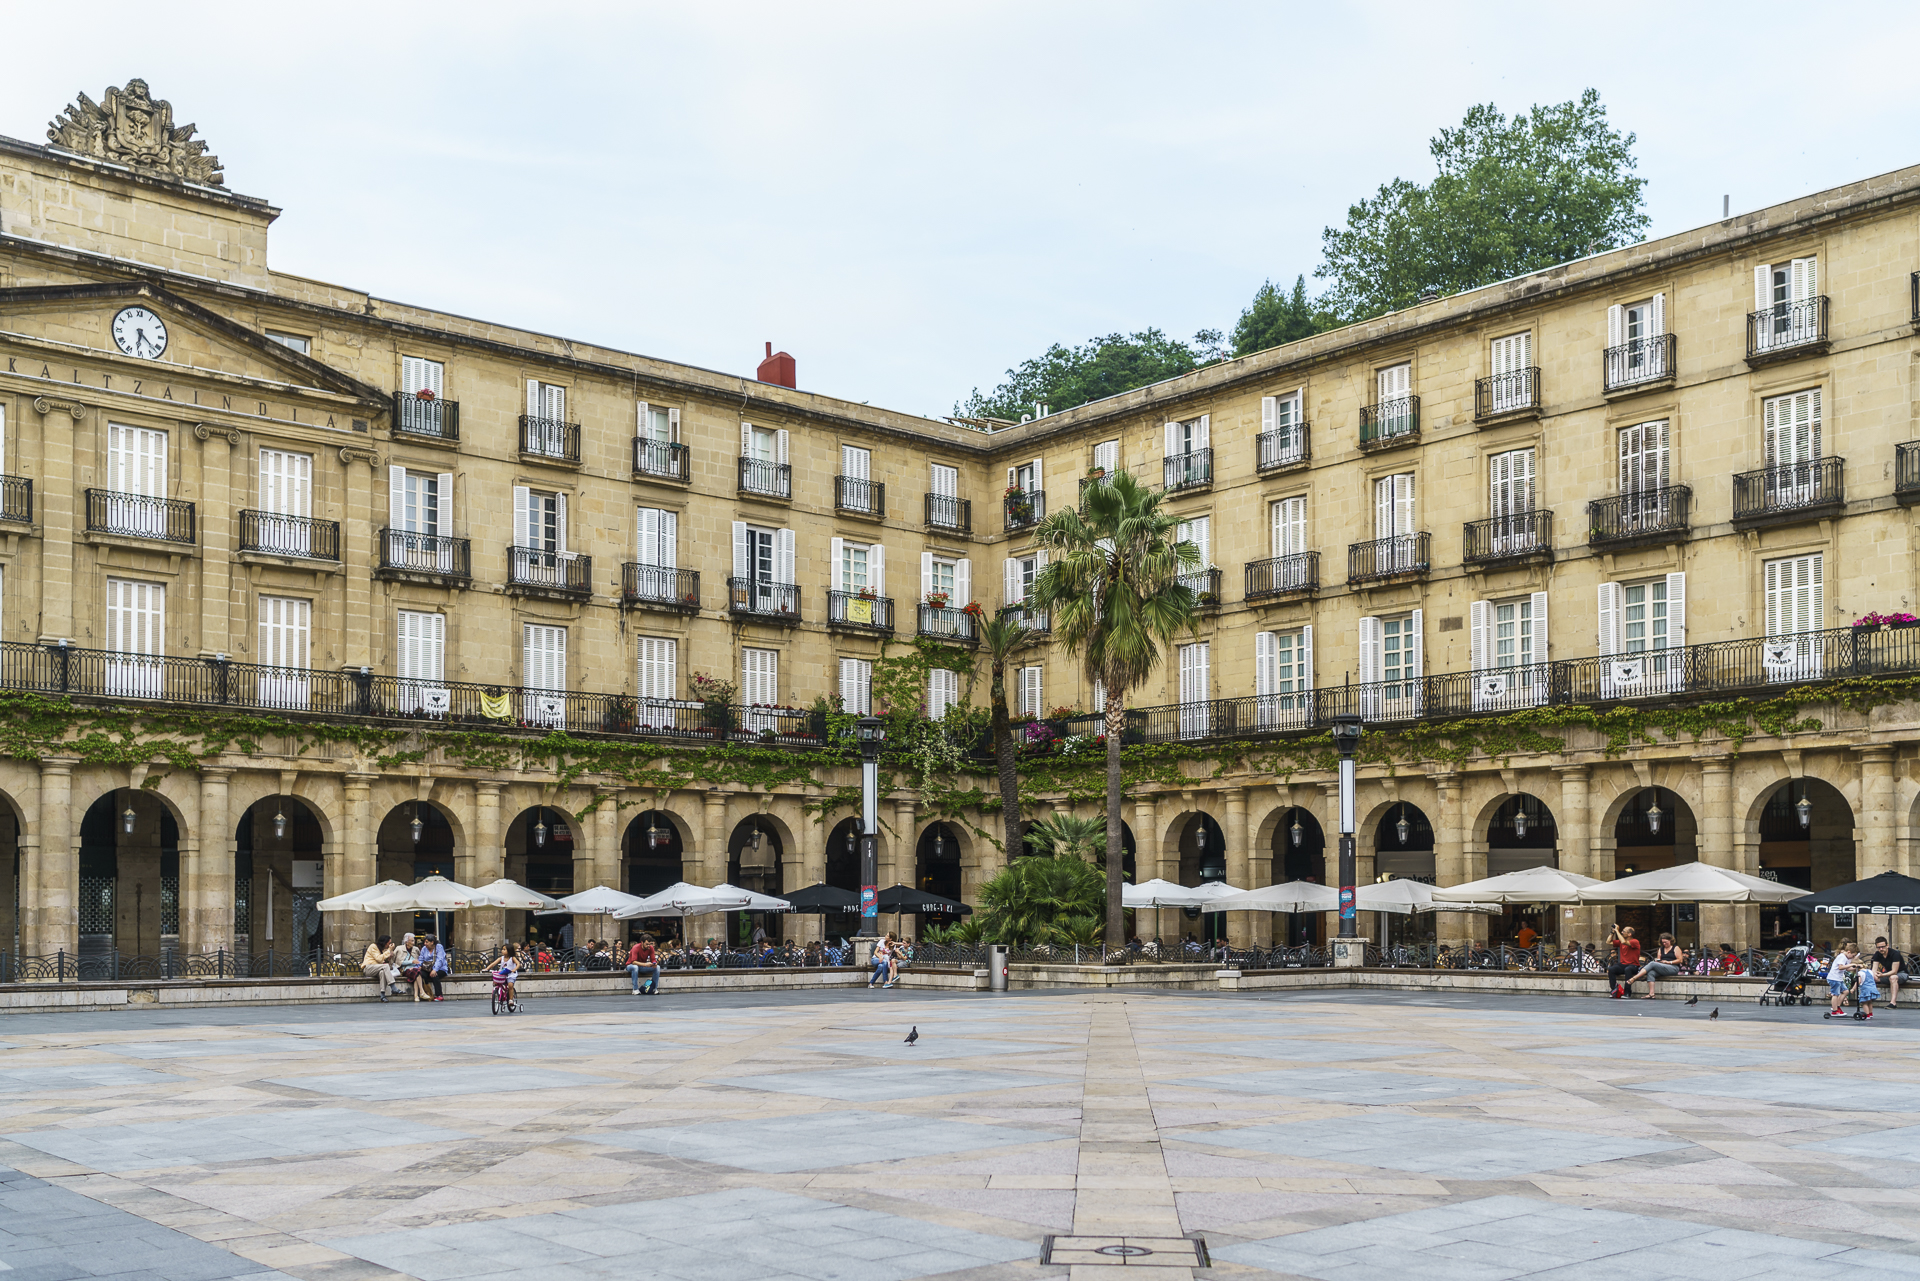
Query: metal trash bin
<point>996,967</point>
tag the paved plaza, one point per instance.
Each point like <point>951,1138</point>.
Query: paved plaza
<point>794,1136</point>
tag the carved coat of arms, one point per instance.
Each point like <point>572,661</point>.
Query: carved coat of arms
<point>130,127</point>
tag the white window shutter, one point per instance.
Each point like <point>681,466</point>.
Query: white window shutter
<point>837,576</point>
<point>877,568</point>
<point>780,447</point>
<point>1013,477</point>
<point>1107,454</point>
<point>962,582</point>
<point>1762,286</point>
<point>1013,581</point>
<point>926,574</point>
<point>443,504</point>
<point>1805,278</point>
<point>1539,651</point>
<point>1676,610</point>
<point>647,534</point>
<point>522,520</point>
<point>740,569</point>
<point>645,431</point>
<point>1173,439</point>
<point>1383,507</point>
<point>1303,660</point>
<point>669,540</point>
<point>1369,650</point>
<point>1479,634</point>
<point>783,555</point>
<point>746,440</point>
<point>1030,692</point>
<point>560,522</point>
<point>1813,420</point>
<point>1039,484</point>
<point>1266,414</point>
<point>673,425</point>
<point>1616,326</point>
<point>849,685</point>
<point>1609,618</point>
<point>1403,514</point>
<point>1201,441</point>
<point>1266,675</point>
<point>1659,320</point>
<point>1419,643</point>
<point>534,407</point>
<point>397,498</point>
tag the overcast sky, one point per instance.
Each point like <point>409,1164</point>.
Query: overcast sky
<point>911,198</point>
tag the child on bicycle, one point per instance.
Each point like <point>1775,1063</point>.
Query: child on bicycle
<point>506,970</point>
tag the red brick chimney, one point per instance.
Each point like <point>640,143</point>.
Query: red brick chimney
<point>777,368</point>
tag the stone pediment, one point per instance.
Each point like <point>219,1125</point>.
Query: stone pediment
<point>130,127</point>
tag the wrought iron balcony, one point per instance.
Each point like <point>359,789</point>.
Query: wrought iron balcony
<point>1038,622</point>
<point>279,535</point>
<point>662,459</point>
<point>1906,473</point>
<point>167,520</point>
<point>403,551</point>
<point>1642,361</point>
<point>660,587</point>
<point>1793,492</point>
<point>862,497</point>
<point>763,600</point>
<point>1786,330</point>
<point>1390,423</point>
<point>1641,517</point>
<point>550,438</point>
<point>1287,447</point>
<point>1205,586</point>
<point>565,572</point>
<point>956,625</point>
<point>16,498</point>
<point>1191,470</point>
<point>771,480</point>
<point>1025,508</point>
<point>1397,556</point>
<point>1511,393</point>
<point>952,514</point>
<point>426,416</point>
<point>860,612</point>
<point>1283,576</point>
<point>1519,536</point>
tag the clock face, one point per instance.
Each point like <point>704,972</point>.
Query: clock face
<point>139,332</point>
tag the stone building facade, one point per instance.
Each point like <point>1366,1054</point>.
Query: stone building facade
<point>1668,473</point>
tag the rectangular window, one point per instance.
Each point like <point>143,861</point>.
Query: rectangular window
<point>539,520</point>
<point>418,374</point>
<point>944,481</point>
<point>423,386</point>
<point>944,578</point>
<point>1106,456</point>
<point>1393,387</point>
<point>856,463</point>
<point>1390,666</point>
<point>853,566</point>
<point>1030,696</point>
<point>659,424</point>
<point>1634,350</point>
<point>420,661</point>
<point>1513,634</point>
<point>544,673</point>
<point>1508,645</point>
<point>1792,426</point>
<point>1643,617</point>
<point>1281,439</point>
<point>1796,614</point>
<point>765,452</point>
<point>1787,292</point>
<point>1647,618</point>
<point>1510,483</point>
<point>1283,679</point>
<point>1512,368</point>
<point>856,686</point>
<point>292,342</point>
<point>1644,458</point>
<point>1396,650</point>
<point>1196,687</point>
<point>136,636</point>
<point>286,490</point>
<point>760,676</point>
<point>1025,476</point>
<point>136,476</point>
<point>1287,519</point>
<point>943,692</point>
<point>285,628</point>
<point>1199,532</point>
<point>659,675</point>
<point>659,539</point>
<point>1393,511</point>
<point>1188,461</point>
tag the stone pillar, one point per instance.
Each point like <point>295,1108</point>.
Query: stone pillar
<point>214,518</point>
<point>1148,924</point>
<point>1877,827</point>
<point>1450,863</point>
<point>50,886</point>
<point>794,858</point>
<point>359,863</point>
<point>1239,924</point>
<point>599,864</point>
<point>481,928</point>
<point>1259,876</point>
<point>1719,922</point>
<point>56,491</point>
<point>206,879</point>
<point>810,927</point>
<point>1574,821</point>
<point>713,839</point>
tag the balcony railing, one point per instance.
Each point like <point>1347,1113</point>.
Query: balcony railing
<point>1795,491</point>
<point>1644,360</point>
<point>404,551</point>
<point>661,459</point>
<point>138,516</point>
<point>1205,586</point>
<point>16,498</point>
<point>860,612</point>
<point>1389,557</point>
<point>775,480</point>
<point>1643,516</point>
<point>953,514</point>
<point>434,419</point>
<point>866,497</point>
<point>1288,447</point>
<point>1025,508</point>
<point>1037,621</point>
<point>1787,327</point>
<point>1294,575</point>
<point>280,535</point>
<point>757,598</point>
<point>660,587</point>
<point>1391,422</point>
<point>1510,393</point>
<point>568,572</point>
<point>1906,473</point>
<point>550,438</point>
<point>1515,536</point>
<point>1191,470</point>
<point>955,625</point>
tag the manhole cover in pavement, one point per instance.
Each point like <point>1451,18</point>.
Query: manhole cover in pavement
<point>1140,1252</point>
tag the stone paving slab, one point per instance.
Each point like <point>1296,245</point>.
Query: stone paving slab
<point>896,1081</point>
<point>433,1080</point>
<point>559,1049</point>
<point>230,1046</point>
<point>1902,1143</point>
<point>1688,1055</point>
<point>246,1136</point>
<point>1830,1089</point>
<point>818,1141</point>
<point>1333,1086</point>
<point>1310,1051</point>
<point>82,1076</point>
<point>1456,1147</point>
<point>931,1045</point>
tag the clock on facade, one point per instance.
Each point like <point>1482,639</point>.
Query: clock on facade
<point>139,332</point>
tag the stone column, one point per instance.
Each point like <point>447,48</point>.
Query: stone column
<point>713,839</point>
<point>1877,826</point>
<point>810,927</point>
<point>359,863</point>
<point>1259,876</point>
<point>1239,924</point>
<point>1450,862</point>
<point>1148,924</point>
<point>601,866</point>
<point>795,856</point>
<point>1573,819</point>
<point>50,887</point>
<point>206,878</point>
<point>1720,922</point>
<point>481,928</point>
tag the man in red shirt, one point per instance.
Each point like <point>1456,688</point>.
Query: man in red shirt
<point>641,957</point>
<point>1626,961</point>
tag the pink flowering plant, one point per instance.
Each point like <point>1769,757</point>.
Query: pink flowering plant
<point>1878,620</point>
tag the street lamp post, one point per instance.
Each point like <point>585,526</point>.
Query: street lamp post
<point>871,732</point>
<point>1346,737</point>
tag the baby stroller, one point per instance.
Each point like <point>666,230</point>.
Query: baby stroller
<point>1790,980</point>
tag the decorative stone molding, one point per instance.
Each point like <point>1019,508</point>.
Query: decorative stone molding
<point>130,127</point>
<point>205,431</point>
<point>46,405</point>
<point>349,455</point>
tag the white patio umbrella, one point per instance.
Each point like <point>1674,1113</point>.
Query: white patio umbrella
<point>1528,885</point>
<point>1294,896</point>
<point>1159,893</point>
<point>682,899</point>
<point>1403,896</point>
<point>513,896</point>
<point>355,900</point>
<point>1690,883</point>
<point>601,900</point>
<point>429,894</point>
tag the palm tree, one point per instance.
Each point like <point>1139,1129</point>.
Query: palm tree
<point>1113,586</point>
<point>1070,836</point>
<point>1030,898</point>
<point>1001,635</point>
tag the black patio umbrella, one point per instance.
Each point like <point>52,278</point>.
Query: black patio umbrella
<point>904,898</point>
<point>822,899</point>
<point>1888,894</point>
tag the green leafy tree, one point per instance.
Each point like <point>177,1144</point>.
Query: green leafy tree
<point>1069,376</point>
<point>1000,636</point>
<point>1113,583</point>
<point>1030,898</point>
<point>1275,318</point>
<point>1512,196</point>
<point>1070,836</point>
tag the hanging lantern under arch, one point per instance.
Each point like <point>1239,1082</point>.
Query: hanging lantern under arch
<point>280,824</point>
<point>1520,822</point>
<point>1298,832</point>
<point>1805,810</point>
<point>1653,817</point>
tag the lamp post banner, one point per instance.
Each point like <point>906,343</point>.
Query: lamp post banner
<point>869,902</point>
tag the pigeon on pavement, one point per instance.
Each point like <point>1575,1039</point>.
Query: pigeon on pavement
<point>913,1035</point>
<point>1693,1000</point>
<point>1715,1014</point>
